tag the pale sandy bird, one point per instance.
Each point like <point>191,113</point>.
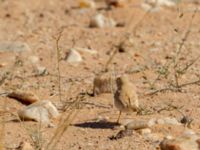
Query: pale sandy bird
<point>125,96</point>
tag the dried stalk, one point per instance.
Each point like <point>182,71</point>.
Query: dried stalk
<point>58,50</point>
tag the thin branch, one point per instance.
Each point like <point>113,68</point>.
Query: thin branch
<point>58,61</point>
<point>173,88</point>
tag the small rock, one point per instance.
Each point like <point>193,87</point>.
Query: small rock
<point>2,65</point>
<point>40,71</point>
<point>34,59</point>
<point>51,125</point>
<point>90,51</point>
<point>152,122</point>
<point>122,134</point>
<point>102,119</point>
<point>155,5</point>
<point>14,47</point>
<point>149,7</point>
<point>145,131</point>
<point>100,21</point>
<point>189,132</point>
<point>183,142</point>
<point>87,4</point>
<point>136,124</point>
<point>24,97</point>
<point>168,3</point>
<point>25,146</point>
<point>154,137</point>
<point>186,120</point>
<point>154,49</point>
<point>171,121</point>
<point>160,121</point>
<point>39,111</point>
<point>102,84</point>
<point>74,56</point>
<point>115,3</point>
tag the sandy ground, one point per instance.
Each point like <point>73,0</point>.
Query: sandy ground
<point>153,42</point>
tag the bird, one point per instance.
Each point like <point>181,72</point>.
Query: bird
<point>125,96</point>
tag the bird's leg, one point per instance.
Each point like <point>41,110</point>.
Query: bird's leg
<point>119,116</point>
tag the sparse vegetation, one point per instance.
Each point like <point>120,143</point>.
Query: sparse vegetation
<point>156,46</point>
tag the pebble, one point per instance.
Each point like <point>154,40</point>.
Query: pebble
<point>34,59</point>
<point>171,121</point>
<point>51,125</point>
<point>102,119</point>
<point>115,3</point>
<point>154,137</point>
<point>189,132</point>
<point>41,111</point>
<point>160,121</point>
<point>2,65</point>
<point>100,21</point>
<point>74,56</point>
<point>24,96</point>
<point>136,124</point>
<point>145,131</point>
<point>87,4</point>
<point>168,3</point>
<point>155,5</point>
<point>89,51</point>
<point>183,142</point>
<point>40,70</point>
<point>152,122</point>
<point>26,146</point>
<point>102,84</point>
<point>8,46</point>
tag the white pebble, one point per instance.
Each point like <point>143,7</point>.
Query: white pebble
<point>152,122</point>
<point>74,56</point>
<point>160,121</point>
<point>34,59</point>
<point>145,131</point>
<point>171,121</point>
<point>101,21</point>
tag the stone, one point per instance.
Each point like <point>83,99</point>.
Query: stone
<point>183,142</point>
<point>160,121</point>
<point>87,4</point>
<point>171,121</point>
<point>115,3</point>
<point>74,56</point>
<point>25,146</point>
<point>86,50</point>
<point>136,124</point>
<point>41,111</point>
<point>102,119</point>
<point>24,96</point>
<point>155,5</point>
<point>154,137</point>
<point>189,132</point>
<point>100,21</point>
<point>40,71</point>
<point>168,3</point>
<point>102,84</point>
<point>8,46</point>
<point>2,65</point>
<point>152,122</point>
<point>122,134</point>
<point>34,59</point>
<point>145,131</point>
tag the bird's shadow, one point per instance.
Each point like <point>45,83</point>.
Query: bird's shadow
<point>97,125</point>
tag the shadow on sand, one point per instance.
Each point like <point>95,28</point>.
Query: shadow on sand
<point>97,125</point>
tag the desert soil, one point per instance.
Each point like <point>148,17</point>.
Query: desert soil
<point>153,42</point>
